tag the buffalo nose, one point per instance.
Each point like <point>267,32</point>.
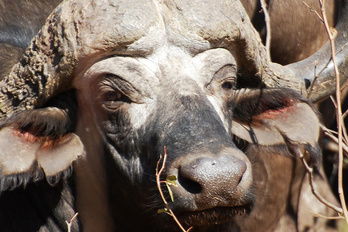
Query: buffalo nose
<point>216,181</point>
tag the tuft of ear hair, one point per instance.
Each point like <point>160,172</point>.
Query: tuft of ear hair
<point>40,143</point>
<point>277,118</point>
<point>55,119</point>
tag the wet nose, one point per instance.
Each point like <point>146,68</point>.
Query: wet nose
<point>216,181</point>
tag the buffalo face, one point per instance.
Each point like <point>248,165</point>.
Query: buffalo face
<point>187,104</point>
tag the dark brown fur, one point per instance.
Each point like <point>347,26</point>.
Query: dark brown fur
<point>19,23</point>
<point>297,32</point>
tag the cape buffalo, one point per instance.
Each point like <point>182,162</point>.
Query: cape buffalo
<point>106,86</point>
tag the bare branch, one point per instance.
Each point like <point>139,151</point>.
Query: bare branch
<point>312,10</point>
<point>345,114</point>
<point>333,101</point>
<point>326,217</point>
<point>268,28</point>
<point>71,221</point>
<point>158,181</point>
<point>310,178</point>
<point>332,33</point>
<point>334,138</point>
<point>324,128</point>
<point>316,76</point>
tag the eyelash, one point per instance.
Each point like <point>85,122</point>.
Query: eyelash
<point>112,96</point>
<point>227,85</point>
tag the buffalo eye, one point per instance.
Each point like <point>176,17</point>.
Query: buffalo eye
<point>224,81</point>
<point>113,96</point>
<point>226,76</point>
<point>114,91</point>
<point>227,85</point>
<point>113,99</point>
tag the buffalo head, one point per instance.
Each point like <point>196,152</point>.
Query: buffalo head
<point>114,82</point>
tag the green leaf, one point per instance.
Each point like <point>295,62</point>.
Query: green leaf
<point>170,192</point>
<point>171,180</point>
<point>164,210</point>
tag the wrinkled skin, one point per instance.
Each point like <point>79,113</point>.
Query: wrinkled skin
<point>172,111</point>
<point>160,125</point>
<point>170,77</point>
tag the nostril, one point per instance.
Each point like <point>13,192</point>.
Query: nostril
<point>189,185</point>
<point>212,175</point>
<point>240,171</point>
<point>207,181</point>
<point>240,177</point>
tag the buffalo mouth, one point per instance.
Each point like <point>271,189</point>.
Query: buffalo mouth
<point>213,216</point>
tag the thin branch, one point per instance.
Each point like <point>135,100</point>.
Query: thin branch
<point>344,131</point>
<point>327,217</point>
<point>309,91</point>
<point>324,128</point>
<point>331,136</point>
<point>312,10</point>
<point>345,139</point>
<point>69,224</point>
<point>332,34</point>
<point>345,114</point>
<point>268,28</point>
<point>333,101</point>
<point>341,50</point>
<point>344,85</point>
<point>158,181</point>
<point>316,76</point>
<point>310,178</point>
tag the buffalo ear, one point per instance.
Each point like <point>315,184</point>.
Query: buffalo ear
<point>271,117</point>
<point>24,159</point>
<point>40,143</point>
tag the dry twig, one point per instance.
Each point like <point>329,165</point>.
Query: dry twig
<point>268,28</point>
<point>309,91</point>
<point>334,138</point>
<point>345,114</point>
<point>158,181</point>
<point>326,217</point>
<point>332,33</point>
<point>71,221</point>
<point>340,124</point>
<point>312,10</point>
<point>310,178</point>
